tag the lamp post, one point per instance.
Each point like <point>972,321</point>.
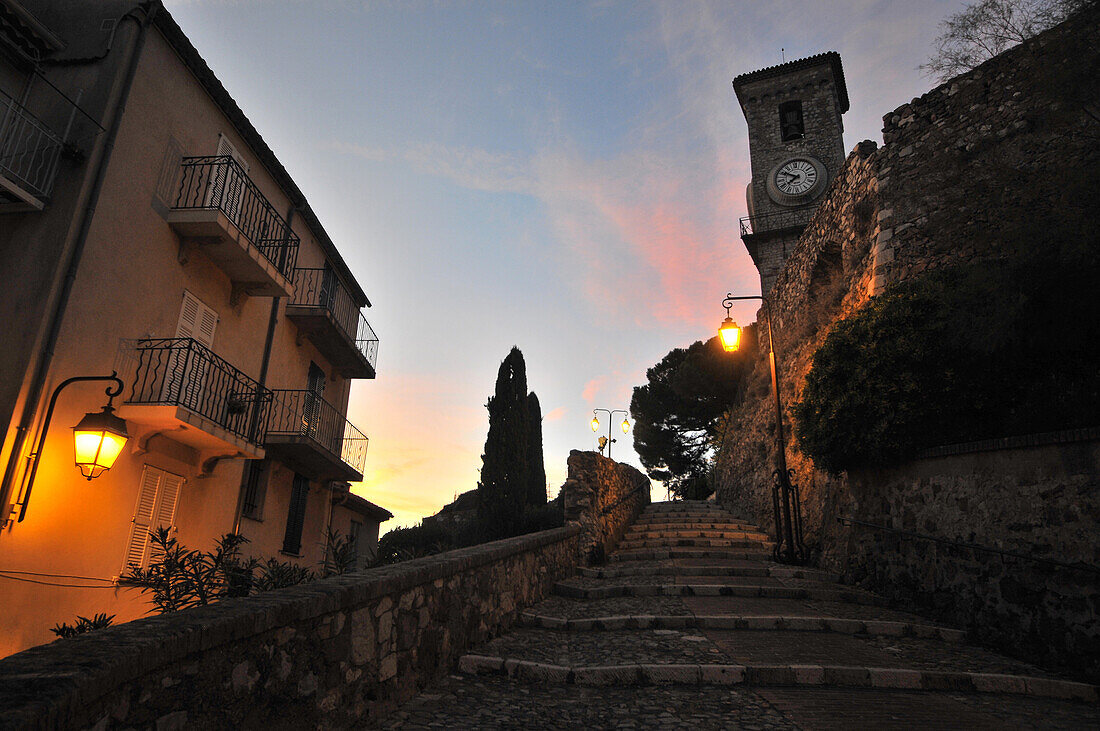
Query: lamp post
<point>785,499</point>
<point>610,414</point>
<point>97,439</point>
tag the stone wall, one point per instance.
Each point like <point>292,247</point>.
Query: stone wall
<point>1041,501</point>
<point>965,173</point>
<point>329,654</point>
<point>604,497</point>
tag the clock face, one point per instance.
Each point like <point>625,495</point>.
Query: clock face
<point>796,177</point>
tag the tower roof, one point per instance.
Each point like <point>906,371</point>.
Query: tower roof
<point>831,58</point>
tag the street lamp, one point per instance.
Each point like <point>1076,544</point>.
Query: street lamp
<point>785,499</point>
<point>610,415</point>
<point>97,440</point>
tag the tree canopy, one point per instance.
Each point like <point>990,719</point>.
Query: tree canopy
<point>677,413</point>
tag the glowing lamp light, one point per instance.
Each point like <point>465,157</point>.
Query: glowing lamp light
<point>730,334</point>
<point>595,423</point>
<point>626,426</point>
<point>98,440</point>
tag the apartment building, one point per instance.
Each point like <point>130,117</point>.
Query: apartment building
<point>148,231</point>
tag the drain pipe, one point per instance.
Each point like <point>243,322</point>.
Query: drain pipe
<point>265,362</point>
<point>38,383</point>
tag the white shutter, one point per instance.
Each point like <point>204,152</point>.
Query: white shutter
<point>225,147</point>
<point>137,547</point>
<point>156,507</point>
<point>196,320</point>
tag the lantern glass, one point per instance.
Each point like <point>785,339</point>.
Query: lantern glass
<point>626,426</point>
<point>595,423</point>
<point>730,334</point>
<point>98,440</point>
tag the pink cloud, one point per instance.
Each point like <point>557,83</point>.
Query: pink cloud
<point>555,414</point>
<point>592,388</point>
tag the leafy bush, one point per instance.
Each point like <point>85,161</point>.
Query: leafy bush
<point>958,355</point>
<point>83,624</point>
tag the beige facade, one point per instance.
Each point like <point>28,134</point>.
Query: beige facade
<point>201,275</point>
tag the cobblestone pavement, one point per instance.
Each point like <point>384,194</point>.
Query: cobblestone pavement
<point>851,665</point>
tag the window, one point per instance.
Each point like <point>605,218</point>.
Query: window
<point>296,516</point>
<point>790,121</point>
<point>157,499</point>
<point>196,320</point>
<point>255,488</point>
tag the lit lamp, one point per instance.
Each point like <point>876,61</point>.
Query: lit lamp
<point>626,426</point>
<point>98,439</point>
<point>595,423</point>
<point>608,441</point>
<point>728,331</point>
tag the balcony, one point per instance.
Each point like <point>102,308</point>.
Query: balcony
<point>781,221</point>
<point>221,211</point>
<point>313,438</point>
<point>179,388</point>
<point>326,314</point>
<point>29,153</point>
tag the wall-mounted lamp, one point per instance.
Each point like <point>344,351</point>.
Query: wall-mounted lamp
<point>97,440</point>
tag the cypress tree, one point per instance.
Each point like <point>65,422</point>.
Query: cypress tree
<point>536,468</point>
<point>502,488</point>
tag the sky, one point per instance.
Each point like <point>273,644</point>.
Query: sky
<point>561,176</point>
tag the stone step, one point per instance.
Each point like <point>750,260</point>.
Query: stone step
<point>698,514</point>
<point>689,552</point>
<point>878,628</point>
<point>764,675</point>
<point>674,522</point>
<point>818,592</point>
<point>648,568</point>
<point>628,544</point>
<point>681,505</point>
<point>635,533</point>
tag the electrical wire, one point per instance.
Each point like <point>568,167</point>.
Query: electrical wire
<point>50,583</point>
<point>56,576</point>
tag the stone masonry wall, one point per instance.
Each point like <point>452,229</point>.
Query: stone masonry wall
<point>604,497</point>
<point>329,654</point>
<point>963,169</point>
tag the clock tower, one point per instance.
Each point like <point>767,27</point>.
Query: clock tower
<point>796,147</point>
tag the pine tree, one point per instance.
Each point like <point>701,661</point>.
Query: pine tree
<point>536,468</point>
<point>503,485</point>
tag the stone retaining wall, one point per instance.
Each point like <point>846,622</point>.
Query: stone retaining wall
<point>329,654</point>
<point>604,497</point>
<point>1041,501</point>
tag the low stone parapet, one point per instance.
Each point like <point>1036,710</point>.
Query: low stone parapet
<point>328,654</point>
<point>604,497</point>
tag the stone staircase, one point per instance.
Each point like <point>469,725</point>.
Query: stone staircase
<point>690,622</point>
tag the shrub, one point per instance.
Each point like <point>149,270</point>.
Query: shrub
<point>971,353</point>
<point>83,624</point>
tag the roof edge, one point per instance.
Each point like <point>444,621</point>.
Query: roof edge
<point>831,58</point>
<point>191,58</point>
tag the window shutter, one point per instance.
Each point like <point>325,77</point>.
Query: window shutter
<point>225,147</point>
<point>295,518</point>
<point>158,497</point>
<point>138,545</point>
<point>196,320</point>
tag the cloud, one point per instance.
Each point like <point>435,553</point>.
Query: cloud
<point>555,414</point>
<point>592,388</point>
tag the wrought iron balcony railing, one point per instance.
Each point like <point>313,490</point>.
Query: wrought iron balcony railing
<point>772,221</point>
<point>29,151</point>
<point>320,289</point>
<point>220,183</point>
<point>183,372</point>
<point>302,413</point>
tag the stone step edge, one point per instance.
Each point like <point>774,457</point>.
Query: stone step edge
<point>634,554</point>
<point>659,543</point>
<point>771,675</point>
<point>648,569</point>
<point>732,590</point>
<point>790,623</point>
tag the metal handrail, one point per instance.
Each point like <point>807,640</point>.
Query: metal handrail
<point>792,217</point>
<point>29,149</point>
<point>1079,566</point>
<point>320,288</point>
<point>183,372</point>
<point>221,183</point>
<point>305,413</point>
